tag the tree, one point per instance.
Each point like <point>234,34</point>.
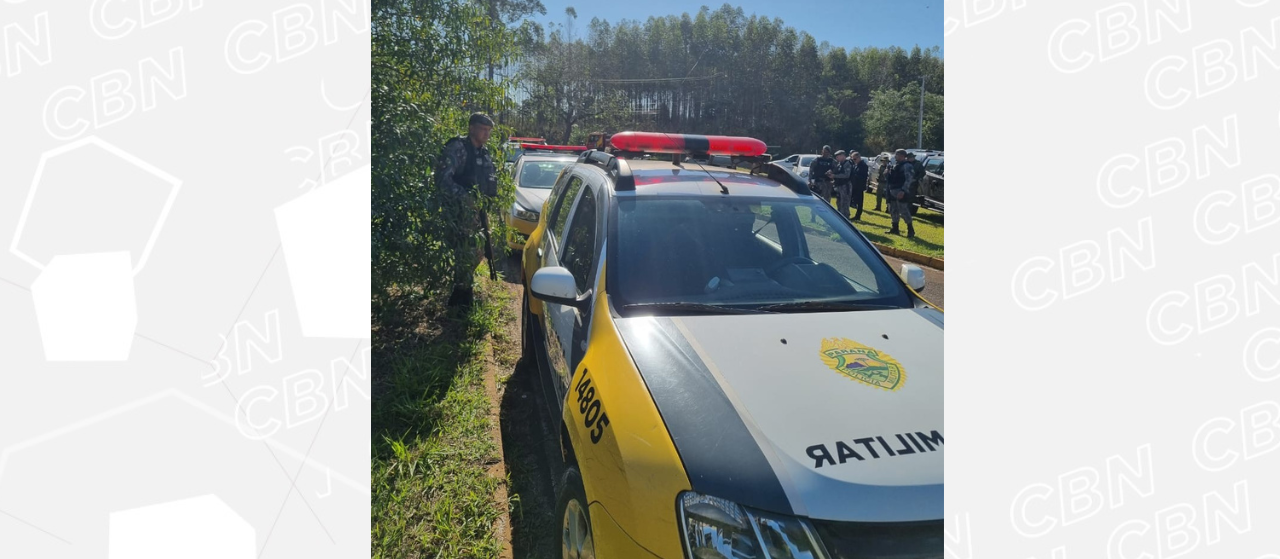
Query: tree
<point>892,119</point>
<point>719,72</point>
<point>428,61</point>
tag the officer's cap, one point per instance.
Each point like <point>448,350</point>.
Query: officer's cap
<point>826,148</point>
<point>839,153</point>
<point>480,118</point>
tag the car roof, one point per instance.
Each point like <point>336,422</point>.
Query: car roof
<point>664,178</point>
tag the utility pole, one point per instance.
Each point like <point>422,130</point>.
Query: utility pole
<point>920,133</point>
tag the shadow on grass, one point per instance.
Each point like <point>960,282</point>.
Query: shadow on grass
<point>930,216</point>
<point>531,450</point>
<point>935,247</point>
<point>509,267</point>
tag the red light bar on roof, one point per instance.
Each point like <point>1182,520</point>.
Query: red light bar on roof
<point>545,147</point>
<point>657,142</point>
<point>528,140</point>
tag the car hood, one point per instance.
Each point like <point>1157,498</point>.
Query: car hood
<point>532,198</point>
<point>835,416</point>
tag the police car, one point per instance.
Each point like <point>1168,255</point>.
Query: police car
<point>516,145</point>
<point>534,172</point>
<point>728,378</point>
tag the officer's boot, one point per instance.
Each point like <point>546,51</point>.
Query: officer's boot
<point>911,231</point>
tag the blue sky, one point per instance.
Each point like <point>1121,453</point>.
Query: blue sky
<point>848,23</point>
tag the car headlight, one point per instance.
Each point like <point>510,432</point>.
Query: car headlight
<point>524,213</point>
<point>715,528</point>
<point>804,173</point>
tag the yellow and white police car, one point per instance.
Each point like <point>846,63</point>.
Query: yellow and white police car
<point>735,371</point>
<point>535,171</point>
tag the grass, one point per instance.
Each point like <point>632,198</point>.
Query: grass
<point>433,444</point>
<point>928,224</point>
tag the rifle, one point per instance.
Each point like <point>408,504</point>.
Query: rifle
<point>488,244</point>
<point>488,181</point>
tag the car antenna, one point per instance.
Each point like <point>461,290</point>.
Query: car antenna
<point>723,189</point>
<point>677,159</point>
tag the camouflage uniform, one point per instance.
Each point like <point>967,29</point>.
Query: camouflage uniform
<point>900,179</point>
<point>882,185</point>
<point>841,171</point>
<point>818,175</point>
<point>464,167</point>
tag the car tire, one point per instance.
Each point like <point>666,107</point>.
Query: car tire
<point>576,539</point>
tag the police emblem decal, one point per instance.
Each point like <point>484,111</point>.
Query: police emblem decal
<point>863,364</point>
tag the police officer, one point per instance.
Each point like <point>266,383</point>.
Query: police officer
<point>840,173</point>
<point>857,183</point>
<point>820,173</point>
<point>900,178</point>
<point>882,183</point>
<point>466,171</point>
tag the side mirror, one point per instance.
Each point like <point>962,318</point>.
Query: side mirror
<point>911,274</point>
<point>556,285</point>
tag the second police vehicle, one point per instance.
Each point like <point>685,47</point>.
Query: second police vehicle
<point>535,170</point>
<point>728,378</point>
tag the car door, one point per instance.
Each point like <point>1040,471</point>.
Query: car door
<point>558,320</point>
<point>580,255</point>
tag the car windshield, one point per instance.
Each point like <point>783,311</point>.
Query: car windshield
<point>743,253</point>
<point>540,174</point>
<point>806,160</point>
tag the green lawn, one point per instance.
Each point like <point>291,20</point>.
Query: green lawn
<point>432,495</point>
<point>928,223</point>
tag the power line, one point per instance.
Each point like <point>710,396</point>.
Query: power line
<point>641,80</point>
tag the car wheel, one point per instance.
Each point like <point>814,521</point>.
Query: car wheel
<point>576,541</point>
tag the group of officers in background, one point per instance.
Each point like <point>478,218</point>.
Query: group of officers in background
<point>846,175</point>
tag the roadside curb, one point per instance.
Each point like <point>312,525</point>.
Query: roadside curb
<point>930,261</point>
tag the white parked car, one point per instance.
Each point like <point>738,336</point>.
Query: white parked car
<point>799,163</point>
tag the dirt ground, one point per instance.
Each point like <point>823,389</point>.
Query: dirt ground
<point>530,449</point>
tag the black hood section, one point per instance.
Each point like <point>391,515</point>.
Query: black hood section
<point>720,456</point>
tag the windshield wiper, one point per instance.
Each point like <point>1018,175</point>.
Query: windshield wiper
<point>702,308</point>
<point>824,306</point>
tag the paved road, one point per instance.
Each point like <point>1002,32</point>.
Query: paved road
<point>932,281</point>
